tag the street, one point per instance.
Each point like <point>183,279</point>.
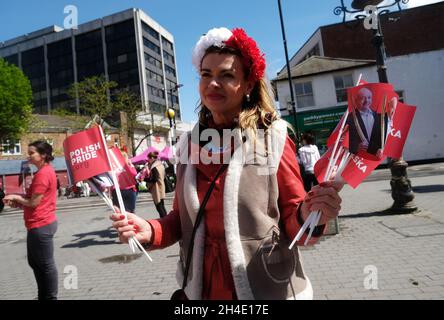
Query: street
<point>374,256</point>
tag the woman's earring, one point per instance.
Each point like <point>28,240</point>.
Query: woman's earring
<point>247,96</point>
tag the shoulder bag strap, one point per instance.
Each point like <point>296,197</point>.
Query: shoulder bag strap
<point>197,223</point>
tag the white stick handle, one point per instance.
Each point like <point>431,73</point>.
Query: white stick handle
<point>122,211</point>
<point>359,79</point>
<point>313,225</point>
<point>342,166</point>
<point>102,195</point>
<point>302,230</point>
<point>119,195</point>
<point>335,160</point>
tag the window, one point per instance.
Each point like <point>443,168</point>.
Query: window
<point>122,58</point>
<point>153,61</point>
<point>151,45</point>
<point>157,107</point>
<point>171,84</point>
<point>168,56</point>
<point>156,92</point>
<point>167,44</point>
<point>154,76</point>
<point>342,82</point>
<point>170,71</point>
<point>150,30</point>
<point>174,98</point>
<point>304,94</point>
<point>10,148</point>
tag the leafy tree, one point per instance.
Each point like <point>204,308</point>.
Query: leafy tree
<point>15,102</point>
<point>93,95</point>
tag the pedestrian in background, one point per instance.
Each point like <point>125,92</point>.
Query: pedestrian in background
<point>309,155</point>
<point>39,207</point>
<point>2,195</point>
<point>155,182</point>
<point>129,194</point>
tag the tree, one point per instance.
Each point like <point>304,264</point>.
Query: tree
<point>128,102</point>
<point>93,95</point>
<point>100,97</point>
<point>15,102</point>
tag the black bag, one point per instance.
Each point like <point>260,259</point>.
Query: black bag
<point>180,293</point>
<point>169,185</point>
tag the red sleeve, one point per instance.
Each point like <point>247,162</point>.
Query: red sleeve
<point>167,230</point>
<point>291,193</point>
<point>40,183</point>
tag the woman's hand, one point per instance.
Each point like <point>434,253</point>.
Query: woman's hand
<point>134,226</point>
<point>324,197</point>
<point>12,200</point>
<point>11,197</point>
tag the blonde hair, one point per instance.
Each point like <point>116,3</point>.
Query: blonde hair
<point>259,112</point>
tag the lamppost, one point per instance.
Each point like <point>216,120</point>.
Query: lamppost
<point>170,114</point>
<point>402,193</point>
<point>290,82</point>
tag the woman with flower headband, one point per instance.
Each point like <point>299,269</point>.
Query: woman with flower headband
<point>235,220</point>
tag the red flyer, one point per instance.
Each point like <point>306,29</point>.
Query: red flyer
<point>359,167</point>
<point>86,154</point>
<point>398,129</point>
<point>123,171</point>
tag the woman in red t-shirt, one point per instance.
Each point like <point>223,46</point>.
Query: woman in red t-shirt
<point>39,206</point>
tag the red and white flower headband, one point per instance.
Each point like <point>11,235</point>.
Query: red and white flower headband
<point>253,58</point>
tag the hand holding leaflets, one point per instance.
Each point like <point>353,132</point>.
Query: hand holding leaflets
<point>88,158</point>
<point>374,126</point>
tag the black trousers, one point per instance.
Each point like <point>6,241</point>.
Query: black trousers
<point>160,207</point>
<point>40,247</point>
<point>309,181</point>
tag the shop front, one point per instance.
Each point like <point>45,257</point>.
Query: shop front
<point>319,122</point>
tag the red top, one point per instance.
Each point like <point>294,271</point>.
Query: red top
<point>133,172</point>
<point>217,278</point>
<point>44,182</point>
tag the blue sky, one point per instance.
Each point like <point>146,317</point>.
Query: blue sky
<point>187,20</point>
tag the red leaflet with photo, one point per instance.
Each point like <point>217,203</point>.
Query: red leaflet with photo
<point>377,92</point>
<point>86,154</point>
<point>399,130</point>
<point>359,167</point>
<point>123,171</point>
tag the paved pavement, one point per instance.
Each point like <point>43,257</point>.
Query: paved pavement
<point>374,256</point>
